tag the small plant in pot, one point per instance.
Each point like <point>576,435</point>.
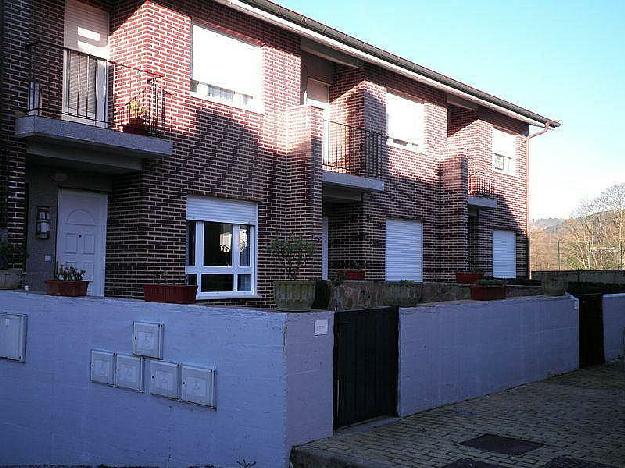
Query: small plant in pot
<point>488,290</point>
<point>137,124</point>
<point>293,294</point>
<point>68,281</point>
<point>353,271</point>
<point>10,254</point>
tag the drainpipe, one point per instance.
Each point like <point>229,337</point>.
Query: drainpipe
<point>3,219</point>
<point>549,125</point>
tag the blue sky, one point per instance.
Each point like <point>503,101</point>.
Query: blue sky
<point>563,59</point>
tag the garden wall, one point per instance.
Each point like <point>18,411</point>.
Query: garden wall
<point>613,325</point>
<point>458,350</point>
<point>584,276</point>
<point>273,385</point>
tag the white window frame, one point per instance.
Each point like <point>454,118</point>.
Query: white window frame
<point>416,144</point>
<point>507,156</point>
<point>235,269</point>
<point>202,90</point>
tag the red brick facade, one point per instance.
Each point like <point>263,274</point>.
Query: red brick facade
<point>273,158</point>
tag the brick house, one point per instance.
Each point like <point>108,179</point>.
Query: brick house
<point>155,140</point>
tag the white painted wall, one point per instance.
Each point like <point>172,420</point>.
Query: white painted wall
<point>457,350</point>
<point>274,385</point>
<point>613,325</point>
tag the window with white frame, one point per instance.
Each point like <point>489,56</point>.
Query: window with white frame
<point>503,152</point>
<point>221,247</point>
<point>404,121</point>
<point>226,69</point>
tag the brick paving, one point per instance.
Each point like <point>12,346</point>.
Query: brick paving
<point>579,418</point>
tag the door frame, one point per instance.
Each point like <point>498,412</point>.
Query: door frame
<point>325,106</point>
<point>101,196</point>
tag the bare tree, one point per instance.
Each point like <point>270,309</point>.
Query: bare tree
<point>593,238</point>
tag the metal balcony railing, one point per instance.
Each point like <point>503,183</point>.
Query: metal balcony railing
<point>480,187</point>
<point>352,150</point>
<point>72,85</point>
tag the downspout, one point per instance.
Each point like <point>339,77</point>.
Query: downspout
<point>549,125</point>
<point>3,162</point>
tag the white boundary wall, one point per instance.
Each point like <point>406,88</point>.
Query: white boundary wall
<point>273,385</point>
<point>458,350</point>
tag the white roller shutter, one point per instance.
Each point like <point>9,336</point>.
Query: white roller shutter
<point>504,254</point>
<point>86,29</point>
<point>226,62</point>
<point>404,250</point>
<point>222,210</point>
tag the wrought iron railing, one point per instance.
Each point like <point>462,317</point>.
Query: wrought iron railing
<point>73,85</point>
<point>352,150</point>
<point>480,187</point>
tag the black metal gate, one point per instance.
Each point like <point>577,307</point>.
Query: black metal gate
<point>365,364</point>
<point>590,329</point>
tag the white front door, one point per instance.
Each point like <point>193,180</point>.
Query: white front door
<point>81,236</point>
<point>324,248</point>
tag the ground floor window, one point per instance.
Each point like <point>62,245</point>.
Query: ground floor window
<point>221,247</point>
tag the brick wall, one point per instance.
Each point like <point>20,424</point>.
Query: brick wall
<point>470,132</point>
<point>273,158</point>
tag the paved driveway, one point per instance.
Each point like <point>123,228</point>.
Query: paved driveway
<point>578,419</point>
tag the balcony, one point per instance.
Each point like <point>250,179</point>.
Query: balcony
<point>351,159</point>
<point>93,113</point>
<point>481,193</point>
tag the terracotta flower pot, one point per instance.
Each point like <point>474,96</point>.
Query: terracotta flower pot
<point>468,277</point>
<point>294,296</point>
<point>66,288</point>
<point>136,126</point>
<point>352,275</point>
<point>170,293</point>
<point>480,292</point>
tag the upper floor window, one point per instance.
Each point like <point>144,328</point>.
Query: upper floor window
<point>503,152</point>
<point>404,121</point>
<point>226,69</point>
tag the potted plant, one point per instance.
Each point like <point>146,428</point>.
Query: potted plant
<point>68,281</point>
<point>488,290</point>
<point>468,277</point>
<point>170,293</point>
<point>554,286</point>
<point>402,293</point>
<point>137,124</point>
<point>293,294</point>
<point>353,271</point>
<point>10,278</point>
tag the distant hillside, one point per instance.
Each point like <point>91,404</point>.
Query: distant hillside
<point>546,224</point>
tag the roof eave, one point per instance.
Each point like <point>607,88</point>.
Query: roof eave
<point>429,76</point>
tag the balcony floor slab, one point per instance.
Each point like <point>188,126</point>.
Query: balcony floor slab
<point>365,184</point>
<point>78,144</point>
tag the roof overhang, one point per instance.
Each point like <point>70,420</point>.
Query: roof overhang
<point>352,47</point>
